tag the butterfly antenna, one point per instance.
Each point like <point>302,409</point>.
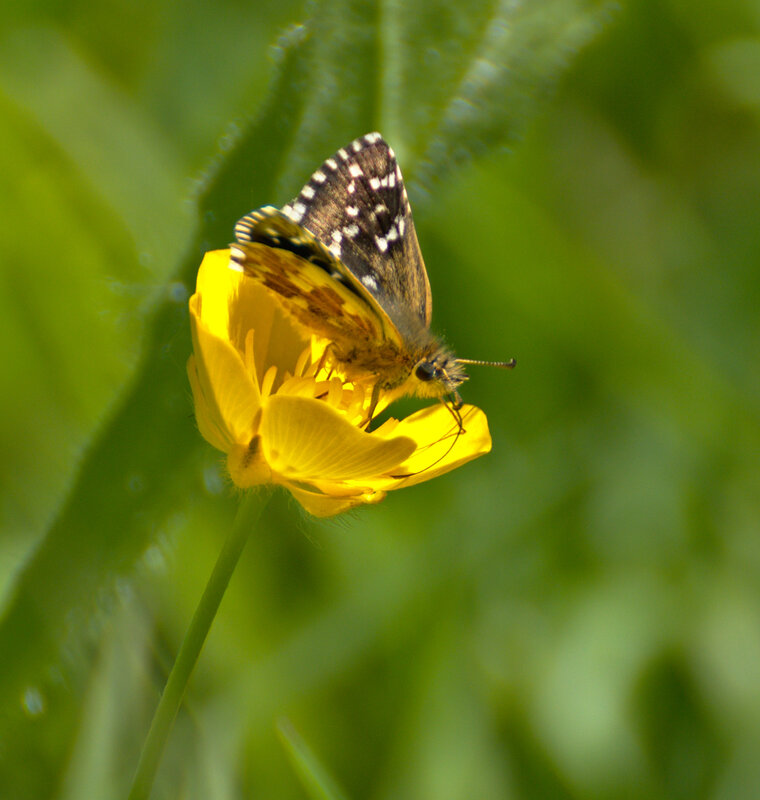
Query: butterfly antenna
<point>511,364</point>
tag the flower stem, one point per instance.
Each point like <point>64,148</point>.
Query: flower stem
<point>163,719</point>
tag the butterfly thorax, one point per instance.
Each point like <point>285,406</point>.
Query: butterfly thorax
<point>421,365</point>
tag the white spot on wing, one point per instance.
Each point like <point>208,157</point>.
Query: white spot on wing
<point>355,170</point>
<point>337,236</point>
<point>296,211</point>
<point>307,192</point>
<point>382,244</point>
<point>243,229</point>
<point>332,163</point>
<point>374,183</point>
<point>334,248</point>
<point>352,211</point>
<point>371,138</point>
<point>369,282</point>
<point>319,176</point>
<point>342,153</point>
<point>351,188</point>
<point>351,230</point>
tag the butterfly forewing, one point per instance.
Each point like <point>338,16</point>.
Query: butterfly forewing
<point>356,205</point>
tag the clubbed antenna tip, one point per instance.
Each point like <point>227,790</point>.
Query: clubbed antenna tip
<point>511,364</point>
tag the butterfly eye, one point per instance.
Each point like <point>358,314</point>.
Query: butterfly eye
<point>425,371</point>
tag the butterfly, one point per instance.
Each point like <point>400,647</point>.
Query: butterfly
<point>343,259</point>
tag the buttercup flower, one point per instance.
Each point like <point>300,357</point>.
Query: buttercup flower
<point>265,396</point>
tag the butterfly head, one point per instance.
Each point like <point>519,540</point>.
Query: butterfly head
<point>439,374</point>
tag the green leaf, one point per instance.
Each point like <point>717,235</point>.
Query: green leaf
<point>440,81</point>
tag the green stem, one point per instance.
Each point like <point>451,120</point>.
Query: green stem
<point>163,719</point>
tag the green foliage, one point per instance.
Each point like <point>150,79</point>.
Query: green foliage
<point>574,615</point>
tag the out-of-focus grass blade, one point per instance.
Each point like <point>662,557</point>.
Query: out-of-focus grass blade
<point>314,776</point>
<point>112,145</point>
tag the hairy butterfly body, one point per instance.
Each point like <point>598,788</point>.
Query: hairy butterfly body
<point>344,260</point>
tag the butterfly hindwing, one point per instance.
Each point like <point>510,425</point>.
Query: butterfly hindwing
<point>311,283</point>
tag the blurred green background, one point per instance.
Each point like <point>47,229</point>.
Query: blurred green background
<point>576,615</point>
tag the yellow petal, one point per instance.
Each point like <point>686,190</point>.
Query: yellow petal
<point>441,446</point>
<point>207,417</point>
<point>277,339</point>
<point>307,440</point>
<point>226,398</point>
<point>323,505</point>
<point>216,284</point>
<point>233,304</point>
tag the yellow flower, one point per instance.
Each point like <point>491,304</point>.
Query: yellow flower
<point>264,397</point>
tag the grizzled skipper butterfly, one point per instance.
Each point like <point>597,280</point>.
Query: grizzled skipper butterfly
<point>344,260</point>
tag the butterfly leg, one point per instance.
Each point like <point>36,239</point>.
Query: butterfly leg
<point>453,409</point>
<point>376,389</point>
<point>320,364</point>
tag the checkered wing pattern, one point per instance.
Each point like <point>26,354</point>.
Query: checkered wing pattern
<point>356,205</point>
<point>311,282</point>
